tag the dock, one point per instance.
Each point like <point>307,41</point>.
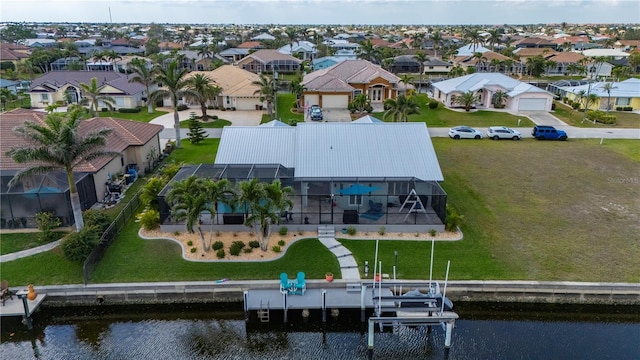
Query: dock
<point>19,305</point>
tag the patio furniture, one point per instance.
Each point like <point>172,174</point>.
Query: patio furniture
<point>299,284</point>
<point>286,285</point>
<point>350,217</point>
<point>374,207</point>
<point>5,292</point>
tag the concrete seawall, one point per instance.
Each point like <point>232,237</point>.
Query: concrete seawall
<point>232,291</point>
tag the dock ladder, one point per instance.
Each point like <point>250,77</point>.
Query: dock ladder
<point>263,313</point>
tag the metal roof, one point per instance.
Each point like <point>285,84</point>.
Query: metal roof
<point>336,150</point>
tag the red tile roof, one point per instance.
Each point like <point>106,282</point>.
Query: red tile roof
<point>250,45</point>
<point>125,133</point>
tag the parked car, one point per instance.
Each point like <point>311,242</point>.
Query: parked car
<point>464,132</point>
<point>316,113</point>
<point>503,132</point>
<point>544,132</point>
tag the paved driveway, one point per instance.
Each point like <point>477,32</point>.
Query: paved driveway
<point>335,115</point>
<point>237,118</point>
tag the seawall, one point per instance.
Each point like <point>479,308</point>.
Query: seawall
<point>558,292</point>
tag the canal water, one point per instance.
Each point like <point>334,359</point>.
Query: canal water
<point>219,331</point>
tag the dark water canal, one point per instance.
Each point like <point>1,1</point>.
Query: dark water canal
<point>484,331</point>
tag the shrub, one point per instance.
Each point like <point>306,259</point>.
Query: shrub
<point>236,247</point>
<point>283,231</point>
<point>193,250</point>
<point>176,233</point>
<point>182,107</point>
<point>575,105</point>
<point>432,232</point>
<point>351,230</point>
<point>149,219</point>
<point>601,117</point>
<point>214,117</point>
<point>189,243</point>
<point>453,220</point>
<point>300,232</point>
<point>78,245</point>
<point>417,234</point>
<point>46,222</point>
<point>25,107</point>
<point>220,254</point>
<point>276,249</point>
<point>218,245</point>
<point>211,107</point>
<point>129,110</point>
<point>254,244</point>
<point>96,218</point>
<point>433,104</point>
<point>247,250</point>
<point>382,230</point>
<point>281,243</point>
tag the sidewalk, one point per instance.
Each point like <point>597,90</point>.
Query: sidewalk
<point>29,252</point>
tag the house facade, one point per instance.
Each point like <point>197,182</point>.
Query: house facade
<point>520,96</point>
<point>303,50</point>
<point>336,86</point>
<point>622,94</point>
<point>238,90</point>
<point>269,61</point>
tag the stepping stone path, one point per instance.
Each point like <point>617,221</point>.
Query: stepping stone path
<point>348,265</point>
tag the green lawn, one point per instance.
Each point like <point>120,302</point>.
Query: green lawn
<point>14,242</point>
<point>204,152</point>
<point>142,116</point>
<point>442,117</point>
<point>624,119</point>
<point>211,124</point>
<point>285,103</point>
<point>46,268</point>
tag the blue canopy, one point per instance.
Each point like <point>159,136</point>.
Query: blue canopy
<point>357,189</point>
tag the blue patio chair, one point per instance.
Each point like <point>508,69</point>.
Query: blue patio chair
<point>299,284</point>
<point>374,207</point>
<point>286,285</point>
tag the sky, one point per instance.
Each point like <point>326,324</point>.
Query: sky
<point>374,12</point>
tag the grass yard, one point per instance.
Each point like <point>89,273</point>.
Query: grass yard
<point>624,119</point>
<point>211,124</point>
<point>133,259</point>
<point>142,116</point>
<point>204,152</point>
<point>285,103</point>
<point>13,242</point>
<point>46,268</point>
<point>442,117</point>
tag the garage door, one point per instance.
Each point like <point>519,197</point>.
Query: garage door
<point>529,104</point>
<point>335,101</point>
<point>247,103</point>
<point>311,100</point>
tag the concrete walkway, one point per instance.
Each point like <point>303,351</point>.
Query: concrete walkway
<point>29,252</point>
<point>348,265</point>
<point>237,118</point>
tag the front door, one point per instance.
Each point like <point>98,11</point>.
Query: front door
<point>376,94</point>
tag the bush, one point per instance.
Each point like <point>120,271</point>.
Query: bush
<point>236,247</point>
<point>214,117</point>
<point>149,219</point>
<point>189,243</point>
<point>247,250</point>
<point>96,218</point>
<point>129,110</point>
<point>382,230</point>
<point>351,230</point>
<point>104,109</point>
<point>433,104</point>
<point>276,249</point>
<point>78,245</point>
<point>624,108</point>
<point>193,250</point>
<point>46,222</point>
<point>281,243</point>
<point>182,107</point>
<point>218,245</point>
<point>432,232</point>
<point>575,105</point>
<point>220,254</point>
<point>7,65</point>
<point>283,231</point>
<point>25,107</point>
<point>601,117</point>
<point>211,107</point>
<point>254,244</point>
<point>453,220</point>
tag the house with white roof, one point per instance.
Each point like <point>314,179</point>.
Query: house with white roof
<point>304,50</point>
<point>623,94</point>
<point>368,173</point>
<point>520,96</point>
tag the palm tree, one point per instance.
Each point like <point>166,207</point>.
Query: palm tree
<point>493,39</point>
<point>112,55</point>
<point>99,57</point>
<point>205,51</point>
<point>267,91</point>
<point>296,88</point>
<point>175,87</point>
<point>421,58</point>
<point>188,199</point>
<point>499,97</point>
<point>203,90</point>
<point>93,97</point>
<point>57,145</point>
<point>145,76</point>
<point>406,80</point>
<point>401,107</point>
<point>26,67</point>
<point>473,38</point>
<point>437,41</point>
<point>292,34</point>
<point>367,51</point>
<point>466,99</point>
<point>608,87</point>
<point>267,202</point>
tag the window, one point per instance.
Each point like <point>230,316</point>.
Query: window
<point>623,101</point>
<point>357,92</point>
<point>44,97</point>
<point>355,200</point>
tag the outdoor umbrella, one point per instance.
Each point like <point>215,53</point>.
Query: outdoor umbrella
<point>357,189</point>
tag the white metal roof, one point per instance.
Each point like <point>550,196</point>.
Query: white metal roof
<point>336,149</point>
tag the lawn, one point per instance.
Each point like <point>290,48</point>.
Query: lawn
<point>624,119</point>
<point>442,117</point>
<point>215,124</point>
<point>46,268</point>
<point>142,116</point>
<point>285,104</point>
<point>13,242</point>
<point>204,152</point>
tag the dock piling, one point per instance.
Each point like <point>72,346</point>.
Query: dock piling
<point>447,336</point>
<point>324,305</point>
<point>370,340</point>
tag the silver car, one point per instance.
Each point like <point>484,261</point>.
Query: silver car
<point>464,132</point>
<point>503,132</point>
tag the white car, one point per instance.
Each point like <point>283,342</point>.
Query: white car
<point>464,132</point>
<point>502,132</point>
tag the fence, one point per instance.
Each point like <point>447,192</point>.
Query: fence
<point>107,237</point>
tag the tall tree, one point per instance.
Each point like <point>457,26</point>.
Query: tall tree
<point>473,38</point>
<point>143,75</point>
<point>57,144</point>
<point>401,107</point>
<point>188,200</point>
<point>202,90</point>
<point>175,87</point>
<point>421,58</point>
<point>113,56</point>
<point>93,97</point>
<point>608,87</point>
<point>367,51</point>
<point>267,91</point>
<point>436,37</point>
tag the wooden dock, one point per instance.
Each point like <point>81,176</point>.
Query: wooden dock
<point>15,307</point>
